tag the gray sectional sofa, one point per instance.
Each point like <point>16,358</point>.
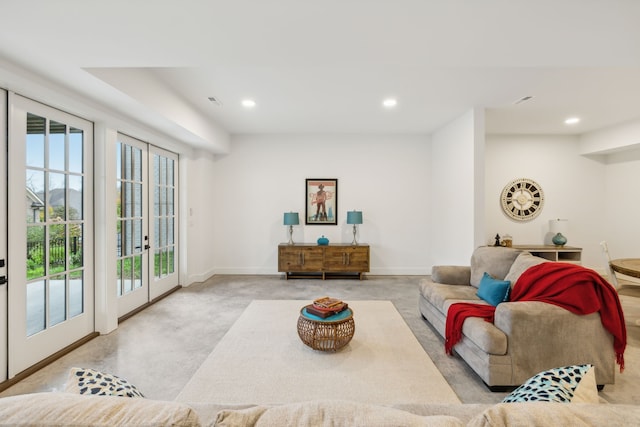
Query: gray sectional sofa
<point>527,336</point>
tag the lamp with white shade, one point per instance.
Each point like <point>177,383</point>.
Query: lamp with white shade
<point>291,219</point>
<point>354,217</point>
<point>558,227</point>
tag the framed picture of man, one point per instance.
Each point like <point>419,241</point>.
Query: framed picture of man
<point>322,201</point>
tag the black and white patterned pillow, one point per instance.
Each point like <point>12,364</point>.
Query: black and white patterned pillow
<point>554,385</point>
<point>90,381</point>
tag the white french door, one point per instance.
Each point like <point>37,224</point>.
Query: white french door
<point>163,235</point>
<point>3,236</point>
<point>50,237</point>
<point>146,250</point>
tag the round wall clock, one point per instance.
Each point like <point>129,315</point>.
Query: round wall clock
<point>522,199</point>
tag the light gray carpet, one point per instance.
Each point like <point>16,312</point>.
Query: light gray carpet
<point>261,360</point>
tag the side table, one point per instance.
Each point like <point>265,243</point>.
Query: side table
<point>328,334</point>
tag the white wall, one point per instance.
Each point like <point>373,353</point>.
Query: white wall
<point>573,185</point>
<point>454,174</point>
<point>263,176</point>
<point>197,195</point>
<point>622,204</point>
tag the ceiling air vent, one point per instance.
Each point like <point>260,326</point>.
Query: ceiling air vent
<point>215,101</point>
<point>523,99</point>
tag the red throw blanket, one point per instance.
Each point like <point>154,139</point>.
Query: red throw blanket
<point>572,287</point>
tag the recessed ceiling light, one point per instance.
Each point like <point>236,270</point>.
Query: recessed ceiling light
<point>248,103</point>
<point>572,120</point>
<point>390,102</point>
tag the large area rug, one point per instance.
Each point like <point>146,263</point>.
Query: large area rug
<point>261,360</point>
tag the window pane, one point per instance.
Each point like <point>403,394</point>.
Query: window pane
<point>171,260</point>
<point>170,208</point>
<point>76,293</point>
<point>156,169</point>
<point>35,140</point>
<point>119,277</point>
<point>35,252</point>
<point>57,135</point>
<point>119,160</point>
<point>170,176</point>
<point>75,246</point>
<point>137,210</point>
<point>57,203</point>
<point>156,200</point>
<point>76,138</point>
<point>57,299</point>
<point>75,197</point>
<point>137,235</point>
<point>170,236</point>
<point>127,162</point>
<point>35,196</point>
<point>137,164</point>
<point>127,200</point>
<point>138,271</point>
<point>57,248</point>
<point>35,307</point>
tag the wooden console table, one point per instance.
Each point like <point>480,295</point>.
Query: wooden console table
<point>554,253</point>
<point>303,260</point>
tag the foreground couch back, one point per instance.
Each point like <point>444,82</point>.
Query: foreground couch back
<point>66,409</point>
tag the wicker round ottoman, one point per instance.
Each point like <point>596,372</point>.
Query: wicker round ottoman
<point>329,334</point>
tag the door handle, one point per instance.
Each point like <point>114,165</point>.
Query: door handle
<point>3,280</point>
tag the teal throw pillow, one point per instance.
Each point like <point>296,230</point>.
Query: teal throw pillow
<point>492,290</point>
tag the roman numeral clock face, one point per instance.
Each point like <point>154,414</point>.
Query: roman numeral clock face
<point>522,199</point>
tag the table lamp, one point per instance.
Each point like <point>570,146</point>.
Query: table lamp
<point>558,227</point>
<point>291,219</point>
<point>354,217</point>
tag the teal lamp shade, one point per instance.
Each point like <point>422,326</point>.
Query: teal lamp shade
<point>354,217</point>
<point>291,218</point>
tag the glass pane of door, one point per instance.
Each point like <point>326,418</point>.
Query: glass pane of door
<point>54,220</point>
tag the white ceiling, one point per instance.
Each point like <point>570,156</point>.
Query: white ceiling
<point>325,66</point>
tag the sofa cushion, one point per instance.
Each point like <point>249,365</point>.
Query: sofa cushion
<point>555,385</point>
<point>67,409</point>
<point>451,274</point>
<point>493,291</point>
<point>437,294</point>
<point>493,260</point>
<point>329,412</point>
<point>521,263</point>
<point>90,381</point>
<point>483,334</point>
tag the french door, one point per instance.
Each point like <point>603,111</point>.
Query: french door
<point>3,235</point>
<point>50,237</point>
<point>146,249</point>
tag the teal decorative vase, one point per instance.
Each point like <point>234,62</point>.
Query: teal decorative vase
<point>559,240</point>
<point>323,241</point>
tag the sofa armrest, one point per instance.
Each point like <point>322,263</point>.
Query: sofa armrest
<point>543,336</point>
<point>451,274</point>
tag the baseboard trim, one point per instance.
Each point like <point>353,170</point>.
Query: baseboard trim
<point>148,304</point>
<point>55,356</point>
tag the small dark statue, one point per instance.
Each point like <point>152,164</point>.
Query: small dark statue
<point>497,243</point>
